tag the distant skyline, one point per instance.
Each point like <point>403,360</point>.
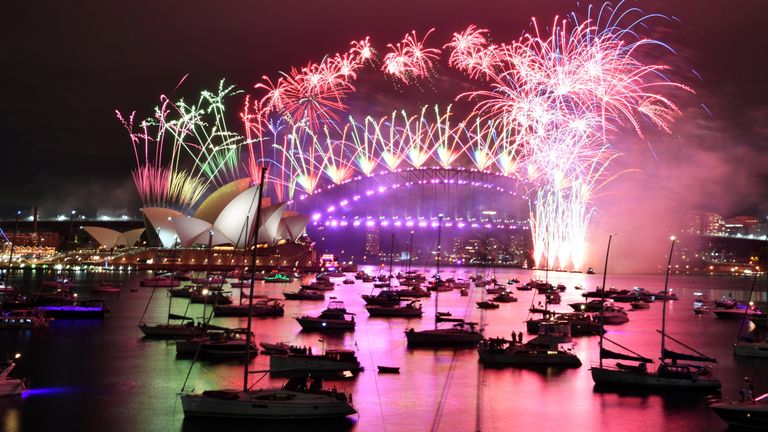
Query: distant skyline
<point>70,65</point>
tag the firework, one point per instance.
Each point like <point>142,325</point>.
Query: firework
<point>409,59</point>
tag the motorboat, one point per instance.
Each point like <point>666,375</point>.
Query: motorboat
<point>411,309</point>
<point>751,349</point>
<point>75,309</point>
<point>334,362</point>
<point>304,294</point>
<point>487,304</point>
<point>388,369</point>
<point>383,298</point>
<point>544,350</point>
<point>747,414</point>
<point>505,297</point>
<point>639,305</point>
<point>11,386</point>
<point>278,278</point>
<point>295,400</point>
<point>319,285</point>
<point>590,306</point>
<point>281,348</point>
<point>168,330</point>
<point>23,319</point>
<point>553,297</point>
<point>201,294</point>
<point>217,345</point>
<point>334,318</point>
<point>348,281</point>
<point>582,324</point>
<point>612,315</point>
<point>668,296</point>
<point>461,334</point>
<point>413,292</point>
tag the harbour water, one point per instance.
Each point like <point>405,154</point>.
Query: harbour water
<point>97,375</point>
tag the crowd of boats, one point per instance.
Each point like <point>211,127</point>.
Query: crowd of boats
<point>392,296</point>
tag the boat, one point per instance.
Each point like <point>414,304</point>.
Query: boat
<point>388,369</point>
<point>590,306</point>
<point>304,294</point>
<point>747,414</point>
<point>23,319</point>
<point>675,370</point>
<point>295,400</point>
<point>11,386</point>
<point>760,319</point>
<point>6,288</point>
<point>201,294</point>
<point>334,318</point>
<point>513,281</point>
<point>612,315</point>
<point>582,324</point>
<point>487,304</point>
<point>268,307</point>
<point>160,281</point>
<point>726,302</point>
<point>411,309</point>
<point>661,295</point>
<point>743,312</point>
<point>319,285</point>
<point>281,348</point>
<point>639,305</point>
<point>543,350</point>
<point>751,349</point>
<point>383,298</point>
<point>183,329</point>
<point>218,345</point>
<point>460,335</point>
<point>413,292</point>
<point>348,281</point>
<point>333,362</point>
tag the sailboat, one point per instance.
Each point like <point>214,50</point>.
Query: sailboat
<point>461,334</point>
<point>670,374</point>
<point>750,345</point>
<point>186,327</point>
<point>295,400</point>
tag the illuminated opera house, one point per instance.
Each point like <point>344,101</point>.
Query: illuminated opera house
<point>218,234</point>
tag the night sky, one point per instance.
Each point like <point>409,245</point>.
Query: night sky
<point>68,65</point>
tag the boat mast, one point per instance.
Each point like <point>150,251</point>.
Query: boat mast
<point>602,303</point>
<point>410,251</point>
<point>437,265</point>
<point>262,179</point>
<point>391,256</point>
<point>666,293</point>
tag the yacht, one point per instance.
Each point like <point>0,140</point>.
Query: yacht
<point>462,334</point>
<point>751,349</point>
<point>295,400</point>
<point>384,298</point>
<point>612,315</point>
<point>185,330</point>
<point>217,345</point>
<point>331,362</point>
<point>411,309</point>
<point>304,294</point>
<point>736,312</point>
<point>334,318</point>
<point>543,350</point>
<point>260,308</point>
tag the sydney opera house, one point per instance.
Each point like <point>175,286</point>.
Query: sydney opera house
<point>220,233</point>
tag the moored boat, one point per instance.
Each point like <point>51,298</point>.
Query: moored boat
<point>334,318</point>
<point>746,414</point>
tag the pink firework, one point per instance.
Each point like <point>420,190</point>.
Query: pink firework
<point>409,59</point>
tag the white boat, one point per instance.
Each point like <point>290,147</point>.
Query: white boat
<point>613,315</point>
<point>736,312</point>
<point>334,360</point>
<point>752,415</point>
<point>295,400</point>
<point>334,318</point>
<point>670,374</point>
<point>11,386</point>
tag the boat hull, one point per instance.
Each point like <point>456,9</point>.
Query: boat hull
<point>529,359</point>
<point>317,324</point>
<point>11,387</point>
<point>746,349</point>
<point>169,331</point>
<point>616,377</point>
<point>308,363</point>
<point>443,338</point>
<point>284,404</point>
<point>741,415</point>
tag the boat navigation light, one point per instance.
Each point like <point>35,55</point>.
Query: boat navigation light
<point>17,356</point>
